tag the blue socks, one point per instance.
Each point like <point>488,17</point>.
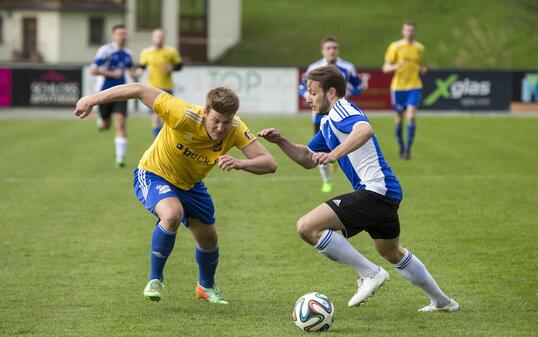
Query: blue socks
<point>410,135</point>
<point>398,131</point>
<point>156,131</point>
<point>207,266</point>
<point>162,243</point>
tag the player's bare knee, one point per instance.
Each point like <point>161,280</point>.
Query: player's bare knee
<point>305,230</point>
<point>171,219</point>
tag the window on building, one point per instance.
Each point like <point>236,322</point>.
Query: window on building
<point>148,14</point>
<point>193,17</point>
<point>97,30</point>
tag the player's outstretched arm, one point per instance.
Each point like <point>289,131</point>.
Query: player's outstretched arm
<point>391,67</point>
<point>259,160</point>
<point>296,152</point>
<point>360,134</point>
<point>123,92</point>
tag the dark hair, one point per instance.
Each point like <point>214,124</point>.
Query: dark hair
<point>329,77</point>
<point>118,26</point>
<point>223,100</point>
<point>328,38</point>
<point>410,23</point>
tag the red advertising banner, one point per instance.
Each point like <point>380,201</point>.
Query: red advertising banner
<point>375,97</point>
<point>5,87</point>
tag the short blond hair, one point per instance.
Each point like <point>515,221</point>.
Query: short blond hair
<point>223,100</point>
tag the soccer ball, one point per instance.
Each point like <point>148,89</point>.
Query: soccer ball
<point>313,312</point>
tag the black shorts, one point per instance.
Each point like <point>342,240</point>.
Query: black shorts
<point>368,211</point>
<point>106,110</point>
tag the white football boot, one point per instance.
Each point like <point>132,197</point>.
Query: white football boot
<point>453,306</point>
<point>367,287</point>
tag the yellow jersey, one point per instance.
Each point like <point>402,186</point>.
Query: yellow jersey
<point>155,60</point>
<point>408,76</point>
<point>183,153</point>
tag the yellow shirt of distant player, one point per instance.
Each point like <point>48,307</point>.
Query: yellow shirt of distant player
<point>183,153</point>
<point>408,76</point>
<point>155,60</point>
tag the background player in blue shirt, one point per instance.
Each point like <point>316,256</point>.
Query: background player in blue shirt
<point>330,50</point>
<point>111,63</point>
<point>347,137</point>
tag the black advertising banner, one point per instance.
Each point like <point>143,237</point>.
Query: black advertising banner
<point>46,87</point>
<point>467,90</point>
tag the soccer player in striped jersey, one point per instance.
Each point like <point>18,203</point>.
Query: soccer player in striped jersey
<point>110,64</point>
<point>404,58</point>
<point>346,137</point>
<point>168,180</point>
<point>160,61</point>
<point>330,49</point>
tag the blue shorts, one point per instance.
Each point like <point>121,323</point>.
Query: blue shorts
<point>151,188</point>
<point>170,91</point>
<point>401,99</point>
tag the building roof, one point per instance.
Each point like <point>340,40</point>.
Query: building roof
<point>64,5</point>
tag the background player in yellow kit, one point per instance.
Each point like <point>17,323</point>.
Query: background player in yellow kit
<point>160,61</point>
<point>168,180</point>
<point>404,58</point>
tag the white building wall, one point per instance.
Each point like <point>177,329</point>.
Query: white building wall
<point>140,39</point>
<point>74,33</point>
<point>48,23</point>
<point>224,26</point>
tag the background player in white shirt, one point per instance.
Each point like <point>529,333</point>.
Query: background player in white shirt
<point>347,137</point>
<point>330,50</point>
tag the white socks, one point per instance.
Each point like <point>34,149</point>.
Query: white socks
<point>121,148</point>
<point>337,248</point>
<point>325,175</point>
<point>416,273</point>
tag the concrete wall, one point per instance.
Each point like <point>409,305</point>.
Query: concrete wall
<point>224,31</point>
<point>47,37</point>
<point>61,36</point>
<point>74,35</point>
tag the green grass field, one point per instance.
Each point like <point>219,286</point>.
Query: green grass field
<point>474,34</point>
<point>75,242</point>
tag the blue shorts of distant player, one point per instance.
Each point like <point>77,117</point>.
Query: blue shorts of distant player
<point>151,188</point>
<point>401,99</point>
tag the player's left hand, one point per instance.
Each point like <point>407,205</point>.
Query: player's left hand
<point>322,158</point>
<point>228,163</point>
<point>83,107</point>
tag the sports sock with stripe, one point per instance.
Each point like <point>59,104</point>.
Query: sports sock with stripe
<point>162,244</point>
<point>412,269</point>
<point>338,248</point>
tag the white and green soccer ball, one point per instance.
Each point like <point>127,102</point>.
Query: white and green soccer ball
<point>313,312</point>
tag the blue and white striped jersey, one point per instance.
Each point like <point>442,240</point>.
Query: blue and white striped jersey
<point>354,85</point>
<point>365,167</point>
<point>111,57</point>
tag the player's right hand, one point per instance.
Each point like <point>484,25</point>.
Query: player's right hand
<point>83,107</point>
<point>272,135</point>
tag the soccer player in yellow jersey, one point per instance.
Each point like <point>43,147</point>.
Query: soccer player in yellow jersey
<point>168,180</point>
<point>160,61</point>
<point>404,58</point>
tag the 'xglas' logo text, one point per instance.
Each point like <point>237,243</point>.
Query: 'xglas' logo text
<point>451,88</point>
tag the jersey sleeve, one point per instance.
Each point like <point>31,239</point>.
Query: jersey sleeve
<point>355,81</point>
<point>318,144</point>
<point>100,57</point>
<point>144,58</point>
<point>176,58</point>
<point>347,124</point>
<point>243,136</point>
<point>390,54</point>
<point>170,109</point>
